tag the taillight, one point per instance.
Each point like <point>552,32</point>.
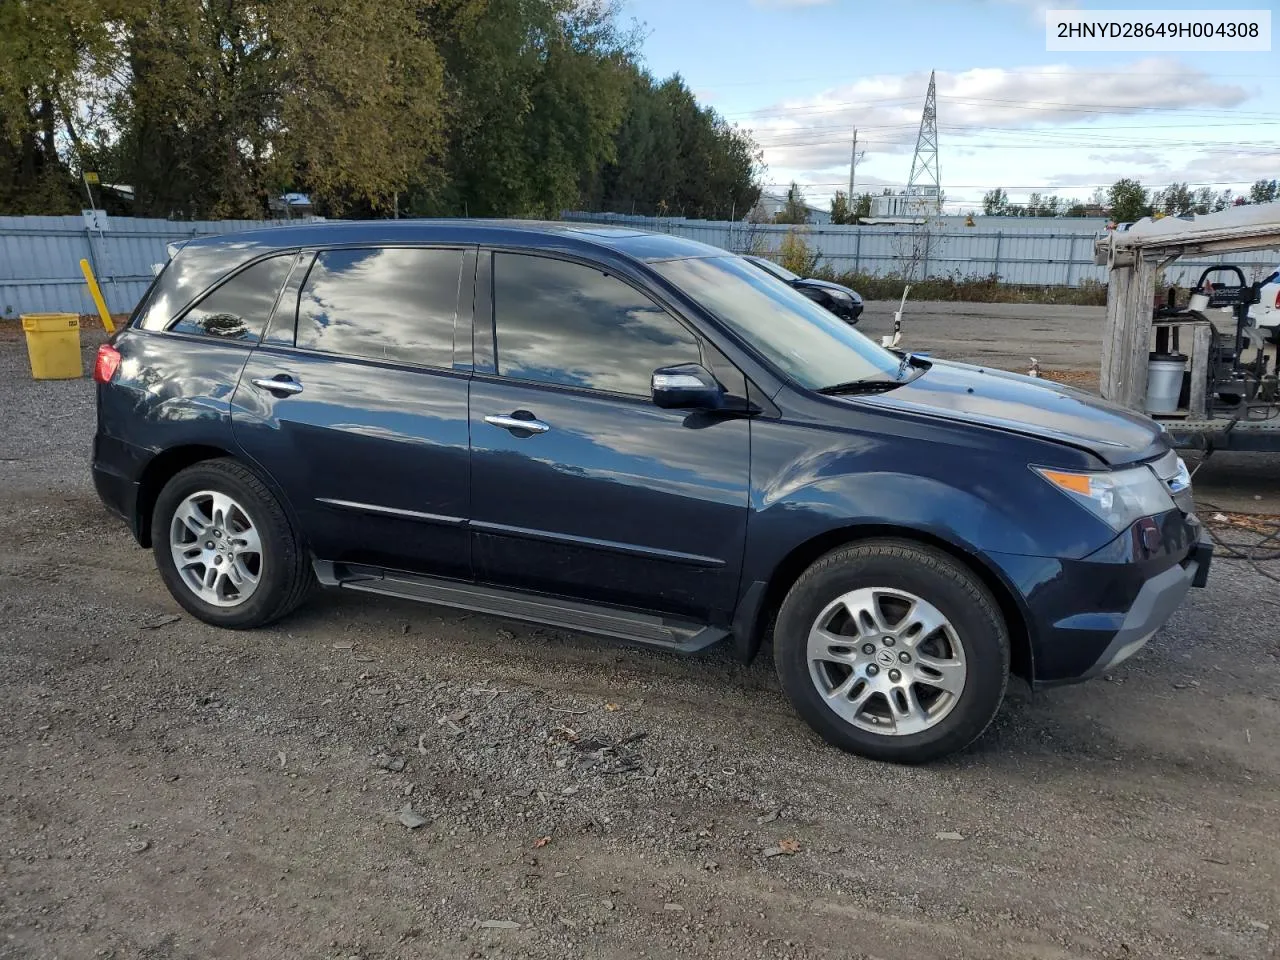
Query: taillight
<point>1278,298</point>
<point>107,363</point>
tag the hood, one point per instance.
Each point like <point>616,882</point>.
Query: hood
<point>827,285</point>
<point>1030,406</point>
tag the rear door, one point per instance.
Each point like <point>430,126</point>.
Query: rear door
<point>354,404</point>
<point>606,497</point>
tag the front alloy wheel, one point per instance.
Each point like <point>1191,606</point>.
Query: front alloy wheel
<point>887,661</point>
<point>892,649</point>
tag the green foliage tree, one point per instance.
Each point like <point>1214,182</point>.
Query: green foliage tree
<point>795,210</point>
<point>795,254</point>
<point>1128,201</point>
<point>1174,200</point>
<point>53,54</point>
<point>1264,191</point>
<point>861,207</point>
<point>995,203</point>
<point>673,155</point>
<point>841,212</point>
<point>1077,210</point>
<point>486,107</point>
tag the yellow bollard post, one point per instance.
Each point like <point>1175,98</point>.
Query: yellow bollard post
<point>96,293</point>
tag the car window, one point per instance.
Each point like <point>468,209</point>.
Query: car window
<point>391,303</point>
<point>812,346</point>
<point>238,309</point>
<point>565,323</point>
<point>192,270</point>
<point>779,271</point>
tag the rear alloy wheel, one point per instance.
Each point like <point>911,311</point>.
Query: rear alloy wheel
<point>893,650</point>
<point>216,548</point>
<point>225,547</point>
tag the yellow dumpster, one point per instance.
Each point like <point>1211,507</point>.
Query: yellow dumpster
<point>53,344</point>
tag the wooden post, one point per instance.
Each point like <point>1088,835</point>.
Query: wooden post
<point>1127,340</point>
<point>1119,277</point>
<point>1201,339</point>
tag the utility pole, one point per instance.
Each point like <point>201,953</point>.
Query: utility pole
<point>854,157</point>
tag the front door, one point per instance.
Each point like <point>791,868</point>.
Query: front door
<point>580,486</point>
<point>362,418</point>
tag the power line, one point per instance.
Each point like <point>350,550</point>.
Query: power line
<point>1033,186</point>
<point>1018,73</point>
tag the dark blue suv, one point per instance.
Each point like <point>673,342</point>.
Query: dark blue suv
<point>641,437</point>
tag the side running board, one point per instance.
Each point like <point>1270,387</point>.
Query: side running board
<point>651,630</point>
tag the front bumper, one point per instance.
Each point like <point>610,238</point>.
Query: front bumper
<point>1152,608</point>
<point>1085,616</point>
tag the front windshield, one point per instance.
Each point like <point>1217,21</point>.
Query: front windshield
<point>776,269</point>
<point>812,346</point>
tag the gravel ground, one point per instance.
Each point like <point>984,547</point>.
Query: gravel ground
<point>376,779</point>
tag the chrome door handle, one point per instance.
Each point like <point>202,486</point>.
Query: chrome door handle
<point>515,423</point>
<point>280,384</point>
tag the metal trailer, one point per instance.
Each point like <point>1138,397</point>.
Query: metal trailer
<point>1133,256</point>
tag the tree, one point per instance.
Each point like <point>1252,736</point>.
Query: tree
<point>795,210</point>
<point>1077,210</point>
<point>1264,191</point>
<point>840,209</point>
<point>795,255</point>
<point>995,203</point>
<point>861,207</point>
<point>53,55</point>
<point>1174,200</point>
<point>487,107</point>
<point>1128,201</point>
<point>670,150</point>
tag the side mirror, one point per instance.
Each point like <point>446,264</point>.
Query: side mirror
<point>686,386</point>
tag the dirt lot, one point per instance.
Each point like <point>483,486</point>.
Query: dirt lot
<point>168,790</point>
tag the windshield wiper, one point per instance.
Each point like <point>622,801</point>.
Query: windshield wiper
<point>860,386</point>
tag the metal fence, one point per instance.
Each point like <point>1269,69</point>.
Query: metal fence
<point>40,259</point>
<point>1026,256</point>
<point>40,256</point>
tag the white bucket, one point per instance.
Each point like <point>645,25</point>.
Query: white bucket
<point>1164,382</point>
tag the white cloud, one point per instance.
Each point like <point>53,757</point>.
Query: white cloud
<point>1038,8</point>
<point>808,138</point>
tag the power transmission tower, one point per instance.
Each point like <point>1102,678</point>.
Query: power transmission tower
<point>924,188</point>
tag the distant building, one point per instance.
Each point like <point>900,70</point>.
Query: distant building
<point>290,205</point>
<point>771,204</point>
<point>899,205</point>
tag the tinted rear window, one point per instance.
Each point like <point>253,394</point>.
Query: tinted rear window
<point>193,271</point>
<point>240,308</point>
<point>382,304</point>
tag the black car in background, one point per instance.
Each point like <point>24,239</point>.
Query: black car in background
<point>840,300</point>
<point>641,437</point>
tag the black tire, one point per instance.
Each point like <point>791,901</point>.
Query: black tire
<point>286,574</point>
<point>931,575</point>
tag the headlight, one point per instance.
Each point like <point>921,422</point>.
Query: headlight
<point>1118,497</point>
<point>839,296</point>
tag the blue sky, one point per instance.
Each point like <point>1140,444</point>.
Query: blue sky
<point>801,74</point>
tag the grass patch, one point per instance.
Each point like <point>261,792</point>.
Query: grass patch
<point>980,289</point>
